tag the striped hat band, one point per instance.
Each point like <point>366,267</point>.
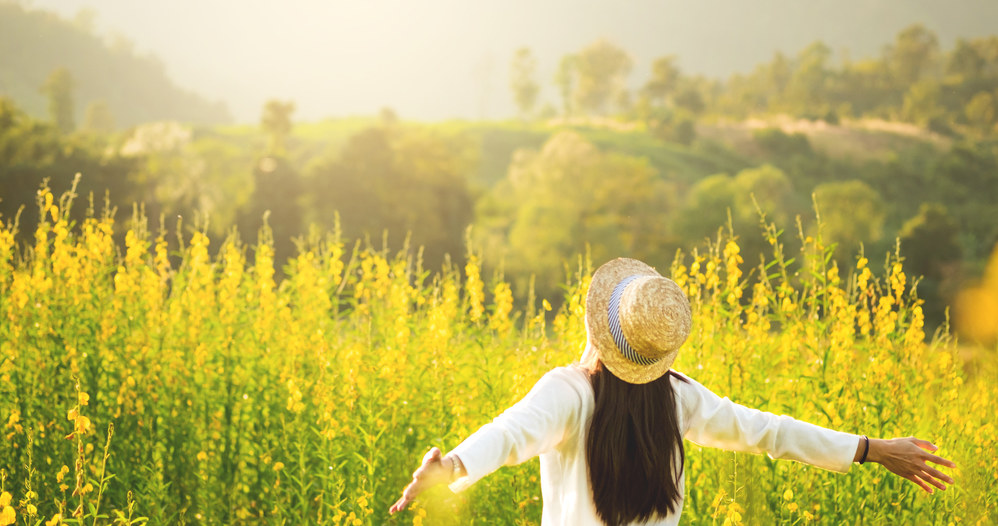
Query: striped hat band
<point>613,316</point>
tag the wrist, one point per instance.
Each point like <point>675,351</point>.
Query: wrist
<point>876,450</point>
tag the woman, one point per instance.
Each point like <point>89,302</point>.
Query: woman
<point>609,430</point>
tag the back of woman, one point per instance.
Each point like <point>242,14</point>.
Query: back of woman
<point>609,430</point>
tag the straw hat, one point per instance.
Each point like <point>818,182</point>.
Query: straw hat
<point>637,319</point>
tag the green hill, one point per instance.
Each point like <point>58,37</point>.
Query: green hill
<point>135,88</point>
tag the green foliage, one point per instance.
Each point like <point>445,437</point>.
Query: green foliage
<point>981,112</point>
<point>32,152</point>
<point>601,69</point>
<point>398,182</point>
<point>566,197</point>
<point>930,242</point>
<point>851,214</point>
<point>58,88</point>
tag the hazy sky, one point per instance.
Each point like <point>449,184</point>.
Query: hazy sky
<point>437,59</point>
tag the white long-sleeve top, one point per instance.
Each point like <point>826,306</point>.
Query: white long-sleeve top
<point>552,421</point>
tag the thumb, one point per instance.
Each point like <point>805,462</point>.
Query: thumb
<point>433,455</point>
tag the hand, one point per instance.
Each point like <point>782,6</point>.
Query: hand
<point>908,457</point>
<point>429,474</point>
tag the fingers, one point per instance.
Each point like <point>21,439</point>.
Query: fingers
<point>940,460</point>
<point>924,444</point>
<point>920,483</point>
<point>399,505</point>
<point>937,474</point>
<point>433,456</point>
<point>932,480</point>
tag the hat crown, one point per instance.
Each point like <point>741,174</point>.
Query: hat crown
<point>654,316</point>
<point>636,320</point>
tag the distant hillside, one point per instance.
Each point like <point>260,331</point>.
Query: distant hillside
<point>135,88</point>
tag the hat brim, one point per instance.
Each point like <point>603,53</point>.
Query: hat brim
<point>597,301</point>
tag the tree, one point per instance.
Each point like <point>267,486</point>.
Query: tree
<point>921,103</point>
<point>568,195</point>
<point>930,241</point>
<point>58,87</point>
<point>399,181</point>
<point>930,244</point>
<point>980,112</point>
<point>664,78</point>
<point>602,70</point>
<point>765,189</point>
<point>525,88</point>
<point>913,54</point>
<point>851,213</point>
<point>706,208</point>
<point>807,89</point>
<point>98,117</point>
<point>276,123</point>
<point>566,78</point>
<point>965,61</point>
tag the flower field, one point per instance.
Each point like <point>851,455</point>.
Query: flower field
<point>193,387</point>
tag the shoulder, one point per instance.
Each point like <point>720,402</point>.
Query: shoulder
<point>566,383</point>
<point>689,392</point>
<point>569,377</point>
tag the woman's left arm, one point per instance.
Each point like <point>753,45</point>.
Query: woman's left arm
<point>907,458</point>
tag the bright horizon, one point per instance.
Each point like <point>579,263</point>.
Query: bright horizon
<point>442,59</point>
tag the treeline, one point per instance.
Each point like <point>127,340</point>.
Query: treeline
<point>913,80</point>
<point>536,195</point>
<point>103,82</point>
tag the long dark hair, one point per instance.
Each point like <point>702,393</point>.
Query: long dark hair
<point>633,447</point>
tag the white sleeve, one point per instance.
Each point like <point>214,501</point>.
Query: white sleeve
<point>718,422</point>
<point>534,425</point>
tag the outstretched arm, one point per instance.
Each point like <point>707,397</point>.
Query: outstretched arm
<point>436,469</point>
<point>534,425</point>
<point>907,458</point>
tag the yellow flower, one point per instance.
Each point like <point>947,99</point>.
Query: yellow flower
<point>55,520</point>
<point>84,398</point>
<point>788,495</point>
<point>278,466</point>
<point>202,456</point>
<point>62,473</point>
<point>31,509</point>
<point>7,515</point>
<point>5,499</point>
<point>792,507</point>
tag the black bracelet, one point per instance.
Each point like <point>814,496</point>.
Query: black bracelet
<point>865,449</point>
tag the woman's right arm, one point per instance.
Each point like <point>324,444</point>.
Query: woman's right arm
<point>532,426</point>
